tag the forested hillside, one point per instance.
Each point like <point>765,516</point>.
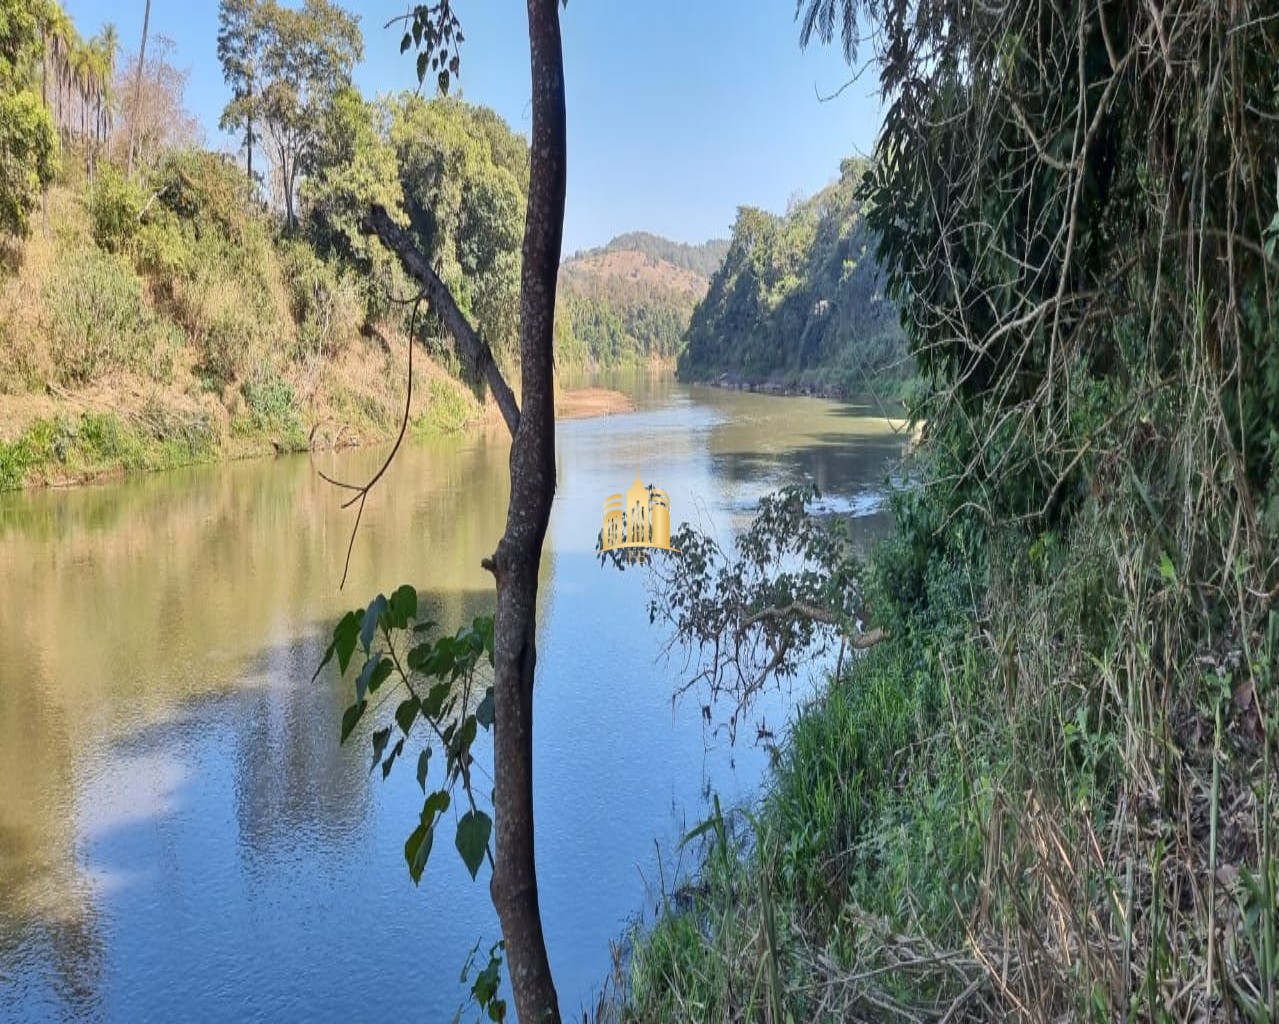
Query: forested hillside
<point>631,300</point>
<point>799,301</point>
<point>162,304</point>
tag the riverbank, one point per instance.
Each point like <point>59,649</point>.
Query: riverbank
<point>64,439</point>
<point>1009,808</point>
<point>889,387</point>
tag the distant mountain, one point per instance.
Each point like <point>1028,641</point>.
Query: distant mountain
<point>702,260</point>
<point>630,301</point>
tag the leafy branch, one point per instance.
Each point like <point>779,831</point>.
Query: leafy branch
<point>440,682</point>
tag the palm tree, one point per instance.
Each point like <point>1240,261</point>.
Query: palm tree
<point>108,47</point>
<point>60,40</point>
<point>82,79</point>
<point>137,87</point>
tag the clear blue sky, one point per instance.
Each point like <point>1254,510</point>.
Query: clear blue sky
<point>679,110</point>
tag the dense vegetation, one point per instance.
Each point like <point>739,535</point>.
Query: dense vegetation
<point>168,306</point>
<point>1050,793</point>
<point>800,300</point>
<point>631,300</point>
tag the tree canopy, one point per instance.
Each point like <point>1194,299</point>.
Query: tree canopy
<point>800,298</point>
<point>28,158</point>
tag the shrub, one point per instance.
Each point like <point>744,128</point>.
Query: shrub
<point>450,409</point>
<point>226,342</point>
<point>326,305</point>
<point>114,207</point>
<point>270,399</point>
<point>99,321</point>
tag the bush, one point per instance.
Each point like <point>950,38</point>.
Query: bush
<point>115,205</point>
<point>226,342</point>
<point>270,400</point>
<point>450,409</point>
<point>326,305</point>
<point>99,321</point>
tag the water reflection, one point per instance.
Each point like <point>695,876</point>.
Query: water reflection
<point>180,832</point>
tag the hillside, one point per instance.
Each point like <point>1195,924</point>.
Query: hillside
<point>630,301</point>
<point>799,301</point>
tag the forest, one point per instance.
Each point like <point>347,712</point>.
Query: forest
<point>800,301</point>
<point>165,304</point>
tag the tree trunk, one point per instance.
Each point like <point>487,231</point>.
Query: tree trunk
<point>248,159</point>
<point>137,88</point>
<point>519,553</point>
<point>518,558</point>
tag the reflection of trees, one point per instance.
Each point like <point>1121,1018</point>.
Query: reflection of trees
<point>138,601</point>
<point>47,921</point>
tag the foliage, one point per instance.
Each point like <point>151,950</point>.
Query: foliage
<point>440,683</point>
<point>627,302</point>
<point>28,157</point>
<point>464,176</point>
<point>285,65</point>
<point>353,167</point>
<point>1051,794</point>
<point>449,409</point>
<point>115,207</point>
<point>239,52</point>
<point>788,589</point>
<point>100,322</point>
<point>799,298</point>
<point>326,304</point>
<point>96,444</point>
<point>703,259</point>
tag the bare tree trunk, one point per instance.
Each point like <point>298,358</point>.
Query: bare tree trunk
<point>248,159</point>
<point>137,87</point>
<point>519,553</point>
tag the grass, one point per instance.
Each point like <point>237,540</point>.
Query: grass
<point>71,449</point>
<point>1023,805</point>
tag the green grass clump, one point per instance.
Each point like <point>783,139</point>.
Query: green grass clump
<point>101,444</point>
<point>449,410</point>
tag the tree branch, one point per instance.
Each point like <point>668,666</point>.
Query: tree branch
<point>474,348</point>
<point>801,609</point>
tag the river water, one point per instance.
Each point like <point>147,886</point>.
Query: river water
<point>181,835</point>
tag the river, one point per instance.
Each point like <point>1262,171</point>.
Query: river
<point>181,835</point>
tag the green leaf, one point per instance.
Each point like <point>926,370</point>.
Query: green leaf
<point>1166,569</point>
<point>402,607</point>
<point>406,714</point>
<point>381,674</point>
<point>406,42</point>
<point>417,848</point>
<point>436,804</point>
<point>369,626</point>
<point>366,676</point>
<point>484,710</point>
<point>350,717</point>
<point>422,59</point>
<point>423,760</point>
<point>472,838</point>
<point>465,736</point>
<point>435,698</point>
<point>345,634</point>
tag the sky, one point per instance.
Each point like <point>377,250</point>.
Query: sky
<point>679,111</point>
